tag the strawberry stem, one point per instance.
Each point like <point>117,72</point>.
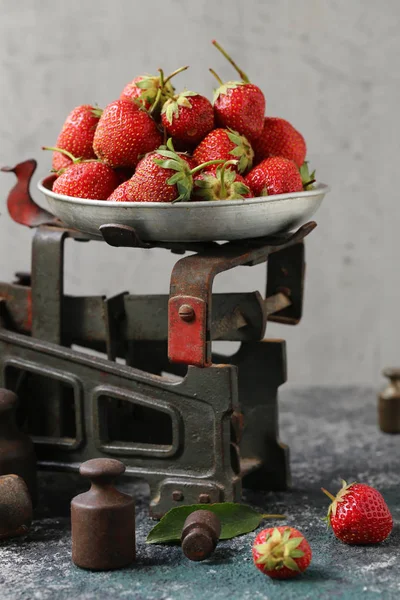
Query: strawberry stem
<point>330,496</point>
<point>162,82</point>
<point>308,183</point>
<point>157,99</point>
<point>207,164</point>
<point>234,65</point>
<point>175,73</point>
<point>62,151</point>
<point>226,164</point>
<point>273,516</point>
<point>223,188</point>
<point>217,77</point>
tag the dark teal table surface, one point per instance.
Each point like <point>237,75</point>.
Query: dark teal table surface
<point>332,433</point>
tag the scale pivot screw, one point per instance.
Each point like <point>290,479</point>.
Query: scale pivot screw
<point>204,499</point>
<point>177,496</point>
<point>186,312</point>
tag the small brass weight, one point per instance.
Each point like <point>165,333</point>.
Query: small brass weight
<point>389,403</point>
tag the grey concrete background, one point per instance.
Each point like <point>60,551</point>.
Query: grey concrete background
<point>329,66</point>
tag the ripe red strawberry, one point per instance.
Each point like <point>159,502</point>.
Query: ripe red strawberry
<point>188,117</point>
<point>147,89</point>
<point>123,193</point>
<point>274,176</point>
<point>128,190</point>
<point>124,133</point>
<point>359,514</point>
<point>164,176</point>
<point>221,184</point>
<point>225,144</point>
<point>281,552</point>
<point>77,135</point>
<point>280,138</point>
<point>91,179</point>
<point>144,89</point>
<point>239,104</point>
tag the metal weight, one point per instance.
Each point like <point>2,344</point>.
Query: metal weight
<point>15,507</point>
<point>389,403</point>
<point>103,519</point>
<point>200,534</point>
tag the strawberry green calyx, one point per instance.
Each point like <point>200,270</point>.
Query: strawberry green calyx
<point>307,178</point>
<point>96,111</point>
<point>183,178</point>
<point>241,73</point>
<point>221,185</point>
<point>340,496</point>
<point>171,106</point>
<point>279,550</point>
<point>243,151</point>
<point>150,85</point>
<point>156,89</point>
<point>224,88</point>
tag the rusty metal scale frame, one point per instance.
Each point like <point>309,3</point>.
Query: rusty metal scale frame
<point>222,412</point>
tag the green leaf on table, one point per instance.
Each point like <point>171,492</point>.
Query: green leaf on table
<point>236,519</point>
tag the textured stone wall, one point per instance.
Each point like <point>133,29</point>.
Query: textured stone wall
<point>331,67</point>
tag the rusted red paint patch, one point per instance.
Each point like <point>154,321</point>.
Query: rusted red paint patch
<point>187,340</point>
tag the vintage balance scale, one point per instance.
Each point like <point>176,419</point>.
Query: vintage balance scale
<point>196,426</point>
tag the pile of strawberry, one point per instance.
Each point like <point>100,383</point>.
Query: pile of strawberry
<point>153,145</point>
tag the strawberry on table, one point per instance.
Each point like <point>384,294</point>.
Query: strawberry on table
<point>274,175</point>
<point>76,135</point>
<point>124,133</point>
<point>280,138</point>
<point>281,552</point>
<point>359,514</point>
<point>239,104</point>
<point>225,144</point>
<point>188,117</point>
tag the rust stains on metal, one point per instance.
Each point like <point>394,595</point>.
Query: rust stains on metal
<point>192,281</point>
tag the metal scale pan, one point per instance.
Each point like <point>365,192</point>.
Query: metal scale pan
<point>189,221</point>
